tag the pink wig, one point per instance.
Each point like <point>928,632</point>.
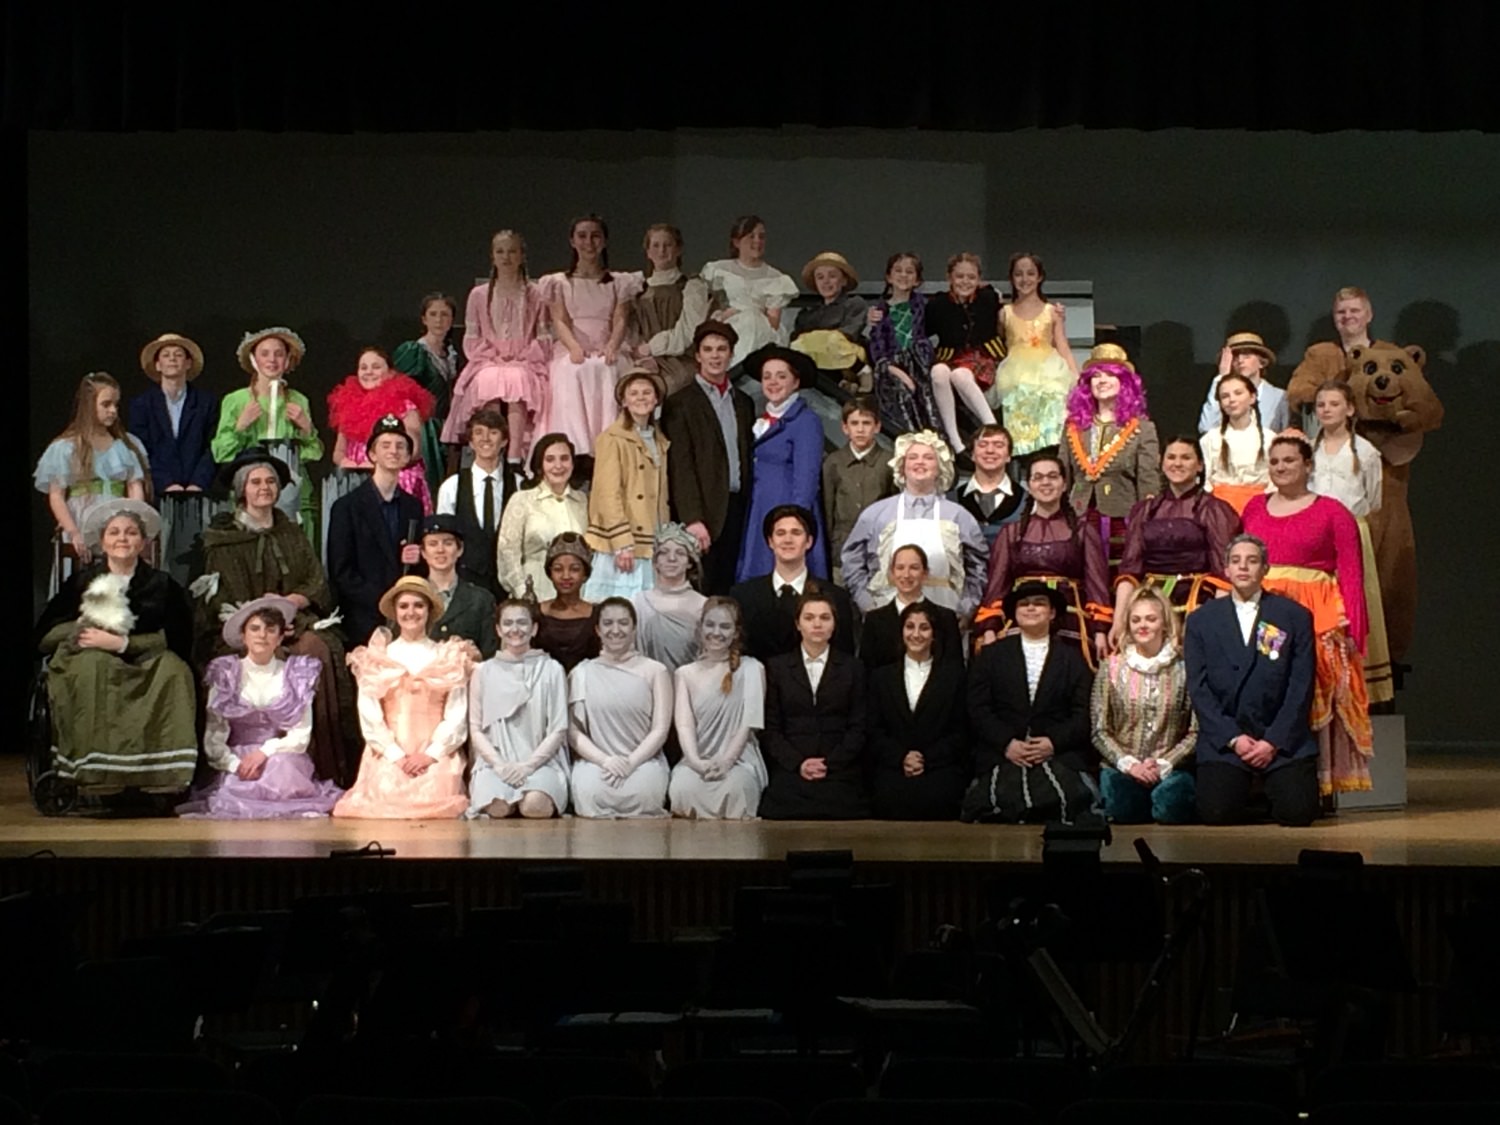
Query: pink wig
<point>1130,405</point>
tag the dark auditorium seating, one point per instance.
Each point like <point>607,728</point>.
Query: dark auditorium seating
<point>1200,1082</point>
<point>1098,1111</point>
<point>13,1112</point>
<point>54,1074</point>
<point>1405,1082</point>
<point>436,1110</point>
<point>1408,1113</point>
<point>1044,1084</point>
<point>675,1111</point>
<point>798,1084</point>
<point>911,1111</point>
<point>158,1107</point>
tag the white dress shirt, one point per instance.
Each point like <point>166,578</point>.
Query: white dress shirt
<point>815,666</point>
<point>1035,654</point>
<point>447,497</point>
<point>916,673</point>
<point>798,584</point>
<point>1247,612</point>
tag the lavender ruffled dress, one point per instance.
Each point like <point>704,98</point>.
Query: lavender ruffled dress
<point>286,786</point>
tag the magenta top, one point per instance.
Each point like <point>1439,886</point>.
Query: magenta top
<point>1323,536</point>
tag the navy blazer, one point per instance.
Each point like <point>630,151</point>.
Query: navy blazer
<point>186,458</point>
<point>363,561</point>
<point>788,470</point>
<point>1239,689</point>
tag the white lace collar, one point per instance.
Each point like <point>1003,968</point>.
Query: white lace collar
<point>1151,665</point>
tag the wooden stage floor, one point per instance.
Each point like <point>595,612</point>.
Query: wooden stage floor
<point>1453,820</point>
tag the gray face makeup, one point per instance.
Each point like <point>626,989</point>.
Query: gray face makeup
<point>616,631</point>
<point>672,562</point>
<point>718,632</point>
<point>516,629</point>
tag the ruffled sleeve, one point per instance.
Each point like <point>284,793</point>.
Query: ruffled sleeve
<point>55,466</point>
<point>776,291</point>
<point>627,286</point>
<point>375,673</point>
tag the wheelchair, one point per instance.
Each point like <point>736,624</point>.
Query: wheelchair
<point>51,792</point>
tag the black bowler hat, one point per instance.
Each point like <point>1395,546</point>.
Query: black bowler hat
<point>440,524</point>
<point>390,424</point>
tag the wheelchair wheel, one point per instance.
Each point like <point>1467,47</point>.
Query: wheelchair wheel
<point>53,794</point>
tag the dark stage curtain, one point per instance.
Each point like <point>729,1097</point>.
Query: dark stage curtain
<point>952,65</point>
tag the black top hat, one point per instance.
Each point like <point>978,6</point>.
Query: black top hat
<point>1034,589</point>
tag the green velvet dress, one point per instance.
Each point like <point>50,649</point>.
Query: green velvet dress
<point>435,376</point>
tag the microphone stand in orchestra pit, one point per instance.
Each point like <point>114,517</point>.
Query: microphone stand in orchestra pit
<point>1031,925</point>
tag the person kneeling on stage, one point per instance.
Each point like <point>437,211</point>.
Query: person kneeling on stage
<point>919,725</point>
<point>720,705</point>
<point>815,723</point>
<point>1029,709</point>
<point>518,724</point>
<point>260,722</point>
<point>413,709</point>
<point>1144,726</point>
<point>621,705</point>
<point>468,610</point>
<point>1250,666</point>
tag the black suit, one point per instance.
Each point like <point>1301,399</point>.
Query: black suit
<point>938,729</point>
<point>1239,689</point>
<point>364,561</point>
<point>1000,710</point>
<point>831,727</point>
<point>880,635</point>
<point>770,625</point>
<point>698,475</point>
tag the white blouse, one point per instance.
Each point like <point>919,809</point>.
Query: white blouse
<point>1334,475</point>
<point>1249,454</point>
<point>916,674</point>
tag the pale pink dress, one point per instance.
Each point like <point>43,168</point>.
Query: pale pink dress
<point>413,698</point>
<point>505,359</point>
<point>581,396</point>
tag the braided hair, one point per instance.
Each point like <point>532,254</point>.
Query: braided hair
<point>736,646</point>
<point>1344,389</point>
<point>489,302</point>
<point>1260,433</point>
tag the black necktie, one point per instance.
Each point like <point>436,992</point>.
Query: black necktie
<point>489,504</point>
<point>788,594</point>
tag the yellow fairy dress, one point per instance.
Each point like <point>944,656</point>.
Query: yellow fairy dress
<point>1032,382</point>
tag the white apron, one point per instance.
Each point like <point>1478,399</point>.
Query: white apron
<point>928,535</point>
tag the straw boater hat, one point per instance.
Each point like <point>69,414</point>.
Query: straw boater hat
<point>1109,353</point>
<point>100,514</point>
<point>1250,342</point>
<point>294,346</point>
<point>409,584</point>
<point>635,375</point>
<point>234,625</point>
<point>829,258</point>
<point>148,355</point>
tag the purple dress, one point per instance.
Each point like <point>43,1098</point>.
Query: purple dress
<point>286,786</point>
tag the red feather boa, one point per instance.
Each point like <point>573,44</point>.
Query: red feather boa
<point>353,411</point>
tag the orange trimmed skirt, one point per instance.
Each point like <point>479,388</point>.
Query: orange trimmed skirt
<point>1340,707</point>
<point>1238,495</point>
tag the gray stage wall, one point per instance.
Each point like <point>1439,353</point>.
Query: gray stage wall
<point>1187,234</point>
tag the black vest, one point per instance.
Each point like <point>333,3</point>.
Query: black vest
<point>478,562</point>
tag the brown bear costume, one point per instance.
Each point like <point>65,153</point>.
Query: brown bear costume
<point>1395,405</point>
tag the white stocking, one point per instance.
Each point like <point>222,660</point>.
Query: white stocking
<point>945,380</point>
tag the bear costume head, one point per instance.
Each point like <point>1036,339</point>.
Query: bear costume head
<point>1393,401</point>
